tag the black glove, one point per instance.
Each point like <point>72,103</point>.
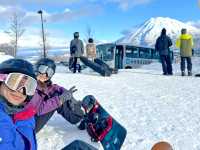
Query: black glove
<point>73,89</point>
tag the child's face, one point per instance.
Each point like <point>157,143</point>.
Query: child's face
<point>42,77</point>
<point>14,97</point>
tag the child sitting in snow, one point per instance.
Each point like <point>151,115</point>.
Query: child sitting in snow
<point>50,97</point>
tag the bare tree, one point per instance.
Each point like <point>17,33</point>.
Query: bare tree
<point>89,33</point>
<point>15,31</point>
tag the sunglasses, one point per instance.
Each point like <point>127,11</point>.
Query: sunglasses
<point>19,82</point>
<point>42,69</point>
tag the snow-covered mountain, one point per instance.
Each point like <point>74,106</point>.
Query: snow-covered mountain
<point>147,33</point>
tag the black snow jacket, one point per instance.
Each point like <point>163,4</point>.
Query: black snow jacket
<point>162,44</point>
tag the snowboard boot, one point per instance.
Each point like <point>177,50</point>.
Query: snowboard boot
<point>79,68</point>
<point>189,73</point>
<point>170,74</point>
<point>183,73</point>
<point>164,73</point>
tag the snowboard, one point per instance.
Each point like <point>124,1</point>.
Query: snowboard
<point>96,67</point>
<point>115,137</point>
<point>79,145</point>
<point>105,66</point>
<point>115,134</point>
<point>71,64</point>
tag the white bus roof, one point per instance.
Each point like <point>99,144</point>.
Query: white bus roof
<point>129,44</point>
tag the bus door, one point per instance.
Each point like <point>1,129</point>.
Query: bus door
<point>119,56</point>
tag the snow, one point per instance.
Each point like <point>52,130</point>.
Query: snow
<point>151,106</point>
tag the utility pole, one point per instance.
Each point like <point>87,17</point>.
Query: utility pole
<point>44,47</point>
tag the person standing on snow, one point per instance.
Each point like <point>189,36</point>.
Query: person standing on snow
<point>76,51</point>
<point>91,49</point>
<point>97,63</point>
<point>50,97</point>
<point>17,86</point>
<point>162,45</point>
<point>185,44</point>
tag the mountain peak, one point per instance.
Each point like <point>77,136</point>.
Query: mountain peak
<point>147,33</point>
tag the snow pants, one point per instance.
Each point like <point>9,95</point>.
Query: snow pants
<point>166,64</point>
<point>189,64</point>
<point>72,116</point>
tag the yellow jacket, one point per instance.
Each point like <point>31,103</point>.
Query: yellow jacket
<point>185,43</point>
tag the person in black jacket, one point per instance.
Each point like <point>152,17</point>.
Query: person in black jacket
<point>163,43</point>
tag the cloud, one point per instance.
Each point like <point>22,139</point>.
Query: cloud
<point>127,4</point>
<point>68,14</point>
<point>4,38</point>
<point>31,21</point>
<point>30,17</point>
<point>37,2</point>
<point>194,23</point>
<point>32,38</point>
<point>7,12</point>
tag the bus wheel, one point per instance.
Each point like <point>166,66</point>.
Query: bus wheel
<point>128,67</point>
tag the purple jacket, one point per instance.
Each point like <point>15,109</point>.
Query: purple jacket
<point>46,100</point>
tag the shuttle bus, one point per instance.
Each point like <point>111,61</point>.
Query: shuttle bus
<point>126,56</point>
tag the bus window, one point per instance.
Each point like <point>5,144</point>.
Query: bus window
<point>105,52</point>
<point>155,54</point>
<point>145,53</point>
<point>132,52</point>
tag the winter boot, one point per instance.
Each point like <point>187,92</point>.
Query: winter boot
<point>183,73</point>
<point>189,73</point>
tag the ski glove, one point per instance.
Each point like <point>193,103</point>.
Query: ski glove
<point>67,95</point>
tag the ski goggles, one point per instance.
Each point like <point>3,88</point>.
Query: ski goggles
<point>20,82</point>
<point>42,69</point>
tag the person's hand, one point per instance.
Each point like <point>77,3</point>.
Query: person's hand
<point>67,95</point>
<point>73,89</point>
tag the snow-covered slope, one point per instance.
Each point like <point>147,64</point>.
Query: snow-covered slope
<point>152,107</point>
<point>147,33</point>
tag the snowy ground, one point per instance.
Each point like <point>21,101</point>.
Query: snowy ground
<point>152,107</point>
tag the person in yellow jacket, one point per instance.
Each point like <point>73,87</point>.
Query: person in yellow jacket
<point>185,44</point>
